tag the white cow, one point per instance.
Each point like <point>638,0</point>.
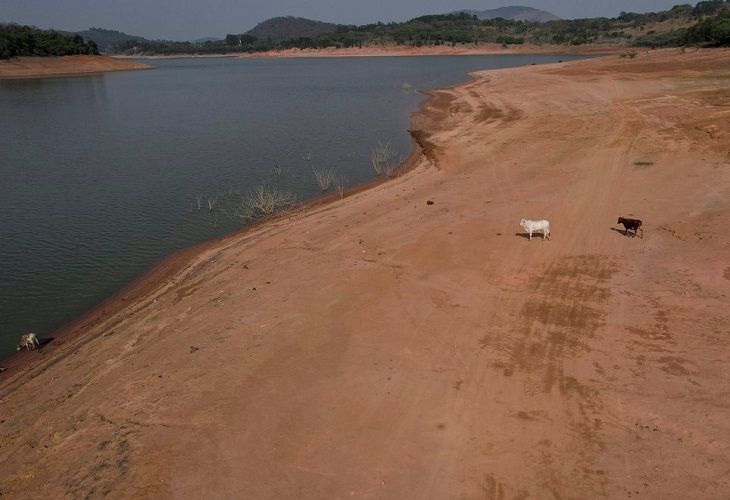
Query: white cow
<point>29,341</point>
<point>536,225</point>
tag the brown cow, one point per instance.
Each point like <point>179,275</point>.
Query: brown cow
<point>631,224</point>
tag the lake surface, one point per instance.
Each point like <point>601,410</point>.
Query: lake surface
<point>101,176</point>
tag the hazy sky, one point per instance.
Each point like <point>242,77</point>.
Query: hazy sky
<point>193,19</point>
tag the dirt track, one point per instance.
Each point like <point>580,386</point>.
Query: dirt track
<point>382,347</point>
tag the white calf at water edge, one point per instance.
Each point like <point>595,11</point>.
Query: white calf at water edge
<point>29,341</point>
<point>536,225</point>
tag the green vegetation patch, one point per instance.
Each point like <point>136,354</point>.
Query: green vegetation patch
<point>706,24</point>
<point>17,41</point>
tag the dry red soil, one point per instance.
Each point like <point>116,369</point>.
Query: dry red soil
<point>440,50</point>
<point>380,346</point>
<point>35,67</point>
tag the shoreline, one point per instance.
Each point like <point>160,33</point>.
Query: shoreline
<point>149,280</point>
<point>46,67</point>
<point>387,346</point>
<point>174,266</point>
<point>396,51</point>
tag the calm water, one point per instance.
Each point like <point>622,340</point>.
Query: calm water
<point>100,176</point>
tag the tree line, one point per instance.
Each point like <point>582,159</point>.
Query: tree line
<point>17,41</point>
<point>713,31</point>
<point>707,23</point>
<point>704,24</point>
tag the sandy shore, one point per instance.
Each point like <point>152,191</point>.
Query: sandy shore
<point>384,347</point>
<point>41,67</point>
<point>440,50</point>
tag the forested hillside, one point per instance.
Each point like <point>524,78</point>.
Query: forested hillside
<point>16,41</point>
<point>277,29</point>
<point>514,13</point>
<point>107,40</point>
<point>704,24</point>
<point>661,29</point>
<point>707,23</point>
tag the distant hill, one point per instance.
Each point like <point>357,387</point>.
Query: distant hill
<point>516,13</point>
<point>107,39</point>
<point>277,29</point>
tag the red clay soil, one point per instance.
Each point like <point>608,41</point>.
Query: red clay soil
<point>35,67</point>
<point>439,50</point>
<point>383,347</point>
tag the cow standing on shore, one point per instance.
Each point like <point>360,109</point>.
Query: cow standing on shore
<point>631,224</point>
<point>28,341</point>
<point>536,225</point>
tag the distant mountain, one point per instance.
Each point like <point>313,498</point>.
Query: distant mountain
<point>285,28</point>
<point>517,13</point>
<point>107,39</point>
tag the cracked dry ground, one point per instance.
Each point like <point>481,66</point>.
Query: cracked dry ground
<point>383,347</point>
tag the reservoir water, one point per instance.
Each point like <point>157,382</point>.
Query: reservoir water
<point>101,176</point>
